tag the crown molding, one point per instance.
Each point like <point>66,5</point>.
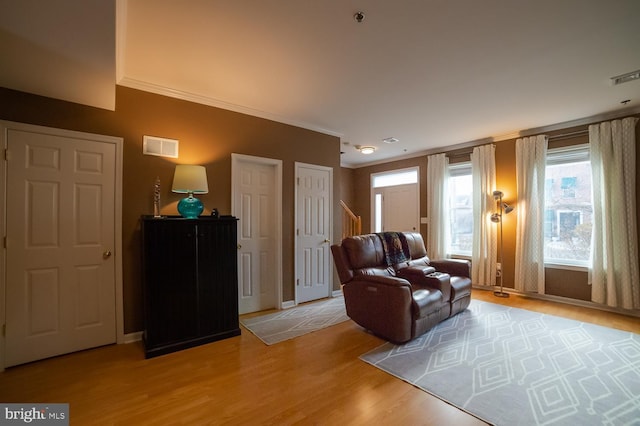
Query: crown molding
<point>611,115</point>
<point>205,100</point>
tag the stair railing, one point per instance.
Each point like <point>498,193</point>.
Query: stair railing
<point>351,223</point>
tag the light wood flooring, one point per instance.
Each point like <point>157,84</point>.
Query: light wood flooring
<point>314,379</point>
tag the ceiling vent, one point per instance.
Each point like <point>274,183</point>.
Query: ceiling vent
<point>630,76</point>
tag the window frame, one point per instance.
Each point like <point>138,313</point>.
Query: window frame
<point>559,156</point>
<point>455,170</point>
<point>414,171</point>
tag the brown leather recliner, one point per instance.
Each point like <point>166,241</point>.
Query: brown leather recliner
<point>393,289</point>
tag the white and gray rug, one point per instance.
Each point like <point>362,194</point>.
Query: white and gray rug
<point>510,366</point>
<point>289,323</point>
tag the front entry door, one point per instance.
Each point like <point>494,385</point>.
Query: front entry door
<point>313,231</point>
<point>400,210</point>
<point>395,200</point>
<point>60,277</point>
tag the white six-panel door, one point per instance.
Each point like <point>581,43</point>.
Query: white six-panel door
<point>313,231</point>
<point>256,197</point>
<point>60,277</point>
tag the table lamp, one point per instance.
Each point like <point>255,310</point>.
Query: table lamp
<point>190,179</point>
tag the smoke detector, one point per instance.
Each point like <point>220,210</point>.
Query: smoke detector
<point>390,140</point>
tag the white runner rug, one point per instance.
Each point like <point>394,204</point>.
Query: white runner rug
<point>289,323</point>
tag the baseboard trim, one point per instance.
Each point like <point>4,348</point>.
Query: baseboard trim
<point>565,300</point>
<point>288,304</point>
<point>292,303</point>
<point>132,337</point>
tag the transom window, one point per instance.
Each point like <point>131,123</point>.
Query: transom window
<point>399,177</point>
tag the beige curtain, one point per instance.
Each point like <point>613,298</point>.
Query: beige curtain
<point>437,206</point>
<point>531,161</point>
<point>614,243</point>
<point>484,249</point>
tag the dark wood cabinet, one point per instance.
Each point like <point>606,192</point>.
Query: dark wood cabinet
<point>190,282</point>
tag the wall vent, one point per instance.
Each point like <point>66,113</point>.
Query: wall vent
<point>624,78</point>
<point>161,147</point>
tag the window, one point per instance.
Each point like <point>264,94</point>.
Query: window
<point>460,209</point>
<point>568,209</point>
<point>399,177</point>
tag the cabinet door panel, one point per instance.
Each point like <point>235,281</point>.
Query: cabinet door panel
<point>218,276</point>
<point>171,284</point>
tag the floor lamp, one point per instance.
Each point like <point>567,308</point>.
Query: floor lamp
<point>503,208</point>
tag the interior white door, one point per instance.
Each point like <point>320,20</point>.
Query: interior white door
<point>256,204</point>
<point>313,231</point>
<point>60,278</point>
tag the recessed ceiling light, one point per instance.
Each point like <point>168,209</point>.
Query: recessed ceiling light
<point>366,149</point>
<point>390,140</point>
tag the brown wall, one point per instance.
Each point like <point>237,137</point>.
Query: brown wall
<point>559,282</point>
<point>347,188</point>
<point>207,136</point>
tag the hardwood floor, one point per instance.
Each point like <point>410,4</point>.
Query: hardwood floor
<point>314,379</point>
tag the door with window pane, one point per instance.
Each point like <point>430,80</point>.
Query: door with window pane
<point>395,201</point>
<point>396,209</point>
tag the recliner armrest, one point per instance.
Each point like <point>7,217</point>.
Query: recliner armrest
<point>381,280</point>
<point>453,267</point>
<point>342,263</point>
<point>421,277</point>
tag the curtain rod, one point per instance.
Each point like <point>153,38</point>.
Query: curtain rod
<point>569,135</point>
<point>468,151</point>
<point>463,152</point>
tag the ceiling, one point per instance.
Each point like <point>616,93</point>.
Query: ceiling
<point>431,73</point>
<point>63,49</point>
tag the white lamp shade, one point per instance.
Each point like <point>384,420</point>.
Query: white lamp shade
<point>188,178</point>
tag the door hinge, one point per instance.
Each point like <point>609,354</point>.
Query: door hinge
<point>4,330</point>
<point>297,232</point>
<point>6,154</point>
<point>4,242</point>
<point>298,281</point>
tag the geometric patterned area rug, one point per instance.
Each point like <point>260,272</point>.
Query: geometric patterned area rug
<point>289,323</point>
<point>510,366</point>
